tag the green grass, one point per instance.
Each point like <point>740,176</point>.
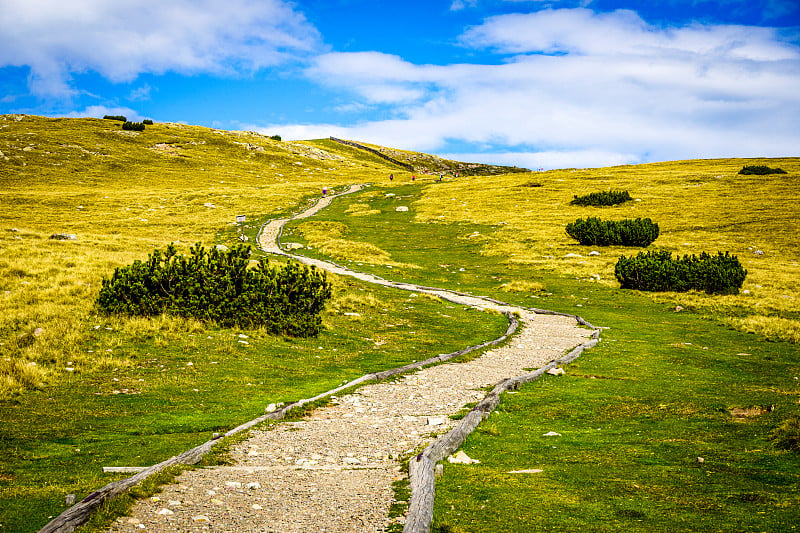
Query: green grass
<point>92,391</point>
<point>183,386</point>
<point>635,413</point>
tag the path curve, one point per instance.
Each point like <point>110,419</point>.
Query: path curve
<point>333,471</point>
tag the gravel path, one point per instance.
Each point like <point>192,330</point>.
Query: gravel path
<point>333,470</point>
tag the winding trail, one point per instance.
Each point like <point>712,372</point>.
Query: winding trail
<point>333,471</point>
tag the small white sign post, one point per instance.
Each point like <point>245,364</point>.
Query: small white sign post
<point>241,218</point>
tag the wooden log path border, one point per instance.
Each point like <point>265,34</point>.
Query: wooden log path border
<point>421,468</point>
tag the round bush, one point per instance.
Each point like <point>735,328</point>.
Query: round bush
<point>219,287</point>
<point>603,198</point>
<point>593,231</point>
<point>658,271</point>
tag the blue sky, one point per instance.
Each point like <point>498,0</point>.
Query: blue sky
<point>535,83</point>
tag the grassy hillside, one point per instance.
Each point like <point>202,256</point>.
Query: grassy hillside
<point>675,422</point>
<point>79,391</point>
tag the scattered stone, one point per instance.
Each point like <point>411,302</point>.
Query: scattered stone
<point>351,461</point>
<point>253,486</point>
<point>352,314</point>
<point>38,332</point>
<point>678,309</point>
<point>233,484</point>
<point>200,518</point>
<point>14,230</point>
<point>556,372</point>
<point>594,252</point>
<point>209,205</point>
<point>256,507</point>
<point>389,195</point>
<point>436,420</point>
<point>271,408</point>
<point>134,521</point>
<point>746,291</point>
<point>401,208</point>
<point>529,471</point>
<point>571,255</point>
<point>174,503</point>
<point>222,248</point>
<point>64,237</point>
<point>462,458</point>
<point>70,499</point>
<point>438,470</point>
<point>551,434</point>
<point>701,460</point>
<point>165,512</point>
<point>292,245</point>
<point>758,252</point>
<point>243,238</point>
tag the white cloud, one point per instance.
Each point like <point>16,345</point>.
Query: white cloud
<point>123,38</point>
<point>582,31</point>
<point>141,93</point>
<point>593,87</point>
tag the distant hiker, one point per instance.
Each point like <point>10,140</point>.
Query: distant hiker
<point>391,177</point>
<point>324,191</point>
<point>441,176</point>
<point>413,177</point>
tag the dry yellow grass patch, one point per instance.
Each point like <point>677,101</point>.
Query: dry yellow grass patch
<point>701,205</point>
<point>360,210</point>
<point>522,286</point>
<point>771,327</point>
<point>325,237</point>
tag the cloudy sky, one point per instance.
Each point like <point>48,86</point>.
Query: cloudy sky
<point>535,83</point>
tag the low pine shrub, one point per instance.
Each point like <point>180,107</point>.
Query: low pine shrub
<point>760,170</point>
<point>628,232</point>
<point>276,137</point>
<point>658,271</point>
<point>147,122</point>
<point>602,198</point>
<point>121,118</point>
<point>133,126</point>
<point>218,287</point>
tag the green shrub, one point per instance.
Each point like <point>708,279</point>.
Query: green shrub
<point>593,231</point>
<point>133,126</point>
<point>760,170</point>
<point>116,117</point>
<point>219,287</point>
<point>602,198</point>
<point>658,271</point>
<point>787,435</point>
<point>276,137</point>
<point>147,122</point>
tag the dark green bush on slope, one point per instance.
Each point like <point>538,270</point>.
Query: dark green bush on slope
<point>133,126</point>
<point>593,231</point>
<point>603,198</point>
<point>658,271</point>
<point>760,170</point>
<point>219,287</point>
